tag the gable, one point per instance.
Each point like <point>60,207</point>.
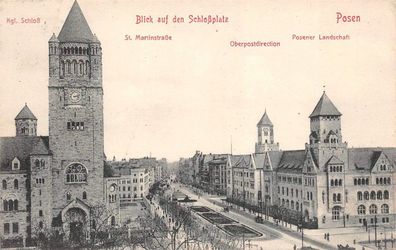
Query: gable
<point>381,163</point>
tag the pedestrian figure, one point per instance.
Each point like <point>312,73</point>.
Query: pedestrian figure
<point>325,236</point>
<point>328,237</point>
<point>294,247</point>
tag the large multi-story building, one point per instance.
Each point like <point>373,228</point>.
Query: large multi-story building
<point>327,184</point>
<point>53,182</point>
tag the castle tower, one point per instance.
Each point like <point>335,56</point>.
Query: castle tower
<point>26,122</point>
<point>265,138</point>
<point>76,136</point>
<point>325,121</point>
<point>327,161</point>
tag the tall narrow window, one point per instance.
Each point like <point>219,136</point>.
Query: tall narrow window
<point>84,195</point>
<point>4,184</point>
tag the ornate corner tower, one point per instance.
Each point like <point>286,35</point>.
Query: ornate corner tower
<point>265,137</point>
<point>76,118</point>
<point>26,122</point>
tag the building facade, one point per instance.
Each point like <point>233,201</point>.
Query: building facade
<point>326,184</point>
<point>54,182</point>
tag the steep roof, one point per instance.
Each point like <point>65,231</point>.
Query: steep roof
<point>292,161</point>
<point>241,161</point>
<point>22,148</point>
<point>275,157</point>
<point>325,107</point>
<point>265,120</point>
<point>25,113</point>
<point>76,28</point>
<point>365,158</point>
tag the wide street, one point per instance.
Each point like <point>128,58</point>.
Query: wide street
<point>277,236</point>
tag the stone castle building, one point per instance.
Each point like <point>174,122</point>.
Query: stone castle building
<point>54,181</point>
<point>326,184</point>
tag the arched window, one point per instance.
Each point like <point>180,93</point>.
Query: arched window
<point>332,183</point>
<point>112,220</point>
<point>74,67</point>
<point>42,163</point>
<point>389,181</point>
<point>372,195</point>
<point>338,197</point>
<point>379,195</point>
<point>381,180</point>
<point>4,184</point>
<point>62,72</point>
<point>84,195</point>
<point>297,206</point>
<point>361,209</point>
<point>76,50</point>
<point>37,163</point>
<point>80,50</point>
<point>72,51</point>
<point>10,205</point>
<point>87,67</point>
<point>292,204</point>
<point>84,51</point>
<point>355,182</point>
<point>68,67</point>
<point>373,209</point>
<point>81,68</point>
<point>340,182</point>
<point>367,181</point>
<point>334,197</point>
<point>360,182</point>
<point>359,196</point>
<point>335,213</point>
<point>386,195</point>
<point>76,173</point>
<point>376,181</point>
<point>68,196</point>
<point>68,51</point>
<point>366,195</point>
<point>16,205</point>
<point>16,184</point>
<point>384,209</point>
<point>287,203</point>
<point>5,205</point>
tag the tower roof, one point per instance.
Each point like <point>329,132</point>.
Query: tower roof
<point>325,107</point>
<point>265,120</point>
<point>76,28</point>
<point>25,113</point>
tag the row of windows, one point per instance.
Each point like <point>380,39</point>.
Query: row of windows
<point>382,167</point>
<point>129,196</point>
<point>336,183</point>
<point>360,181</point>
<point>335,169</point>
<point>309,181</point>
<point>290,204</point>
<point>293,180</point>
<point>337,197</point>
<point>75,125</point>
<point>10,205</point>
<point>373,209</point>
<point>292,191</point>
<point>68,196</point>
<point>383,181</point>
<point>7,228</point>
<point>129,188</point>
<point>112,198</point>
<point>76,173</point>
<point>75,50</point>
<point>74,67</point>
<point>38,163</point>
<point>4,184</point>
<point>373,195</point>
<point>40,180</point>
<point>26,131</point>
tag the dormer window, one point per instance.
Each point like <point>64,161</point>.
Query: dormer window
<point>16,164</point>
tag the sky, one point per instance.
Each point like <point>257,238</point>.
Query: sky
<point>196,92</point>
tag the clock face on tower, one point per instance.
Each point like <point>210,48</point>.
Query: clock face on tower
<point>75,96</point>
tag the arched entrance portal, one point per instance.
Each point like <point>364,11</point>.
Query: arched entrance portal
<point>76,219</point>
